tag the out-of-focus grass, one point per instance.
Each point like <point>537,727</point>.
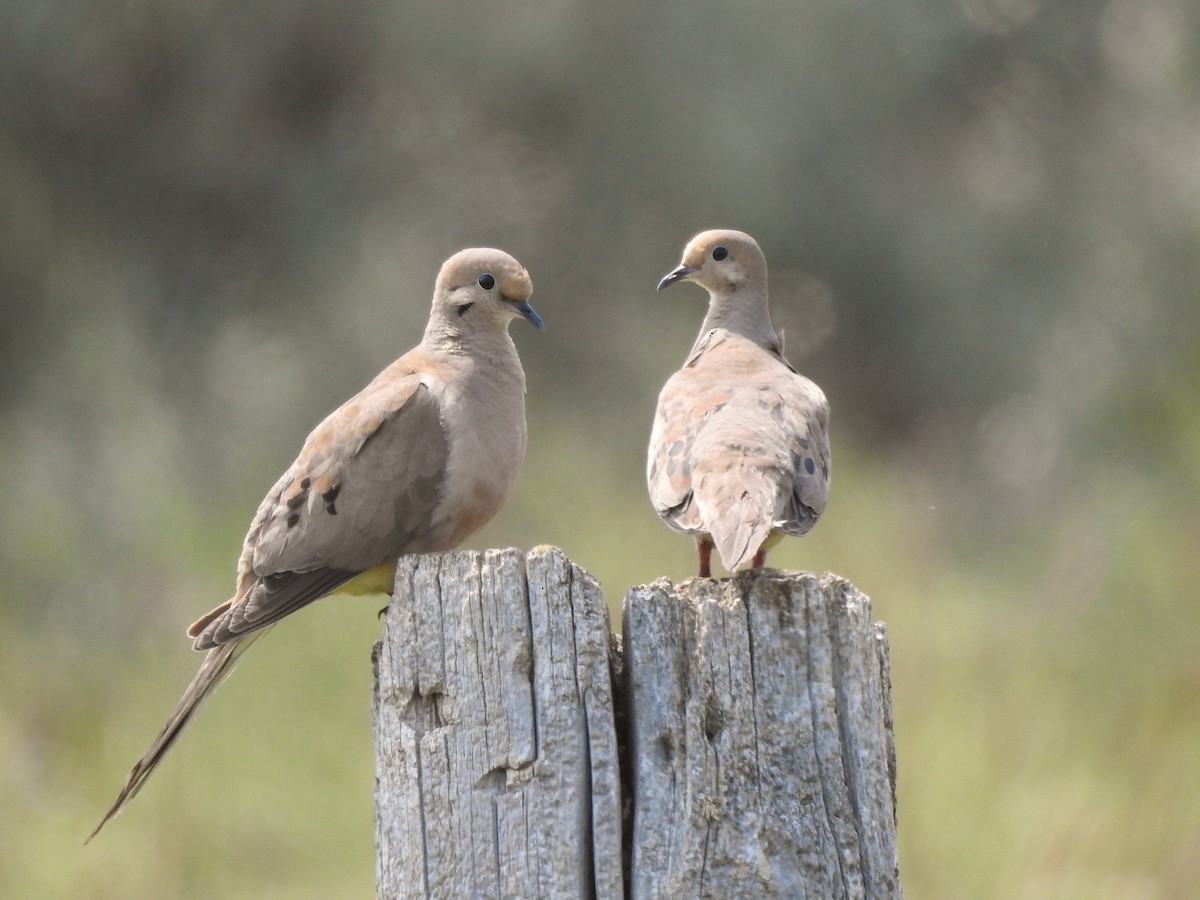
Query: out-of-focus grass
<point>268,794</point>
<point>1046,745</point>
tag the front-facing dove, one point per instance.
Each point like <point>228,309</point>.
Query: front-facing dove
<point>416,462</point>
<point>739,452</point>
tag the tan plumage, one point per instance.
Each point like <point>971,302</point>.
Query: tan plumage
<point>415,462</point>
<point>739,452</point>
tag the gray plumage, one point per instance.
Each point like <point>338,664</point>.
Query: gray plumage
<point>739,452</point>
<point>416,462</point>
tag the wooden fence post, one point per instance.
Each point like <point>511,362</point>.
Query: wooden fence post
<point>754,712</point>
<point>761,745</point>
<point>496,756</point>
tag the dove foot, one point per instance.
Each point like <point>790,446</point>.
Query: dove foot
<point>704,549</point>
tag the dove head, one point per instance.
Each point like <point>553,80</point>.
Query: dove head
<point>732,268</point>
<point>723,262</point>
<point>483,285</point>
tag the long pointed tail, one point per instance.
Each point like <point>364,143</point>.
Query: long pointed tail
<point>216,668</point>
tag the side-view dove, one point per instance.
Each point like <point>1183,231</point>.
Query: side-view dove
<point>417,461</point>
<point>739,453</point>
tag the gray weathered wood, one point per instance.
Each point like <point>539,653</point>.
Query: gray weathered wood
<point>761,739</point>
<point>496,755</point>
<point>754,713</point>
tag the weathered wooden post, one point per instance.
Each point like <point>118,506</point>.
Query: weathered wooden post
<point>761,743</point>
<point>496,757</point>
<point>754,713</point>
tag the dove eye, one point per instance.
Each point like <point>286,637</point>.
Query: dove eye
<point>719,253</point>
<point>486,281</point>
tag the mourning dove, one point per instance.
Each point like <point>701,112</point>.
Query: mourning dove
<point>417,461</point>
<point>739,453</point>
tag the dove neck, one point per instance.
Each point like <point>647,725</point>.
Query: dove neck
<point>446,335</point>
<point>741,312</point>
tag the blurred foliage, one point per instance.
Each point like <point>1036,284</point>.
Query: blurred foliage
<point>218,220</point>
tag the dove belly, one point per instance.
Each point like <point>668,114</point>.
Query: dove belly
<point>378,579</point>
<point>487,421</point>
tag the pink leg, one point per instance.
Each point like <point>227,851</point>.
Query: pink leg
<point>760,558</point>
<point>704,548</point>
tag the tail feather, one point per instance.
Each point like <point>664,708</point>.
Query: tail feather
<point>738,526</point>
<point>216,668</point>
<point>738,541</point>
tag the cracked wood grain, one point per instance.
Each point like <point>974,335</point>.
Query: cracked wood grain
<point>496,755</point>
<point>760,722</point>
<point>752,714</point>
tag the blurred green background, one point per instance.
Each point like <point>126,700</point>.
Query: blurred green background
<point>218,220</point>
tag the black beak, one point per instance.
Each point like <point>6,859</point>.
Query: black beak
<point>527,311</point>
<point>678,275</point>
